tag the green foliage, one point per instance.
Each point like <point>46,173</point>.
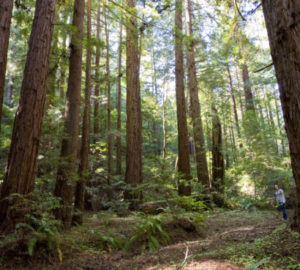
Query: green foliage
<point>248,203</point>
<point>150,232</point>
<point>189,203</point>
<point>258,264</point>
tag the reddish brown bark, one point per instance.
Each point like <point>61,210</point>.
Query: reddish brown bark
<point>66,169</point>
<point>217,159</point>
<point>6,7</point>
<point>282,21</point>
<point>236,118</point>
<point>21,167</point>
<point>97,86</point>
<point>202,169</point>
<point>183,144</point>
<point>247,88</point>
<point>133,175</point>
<point>119,104</point>
<point>85,140</point>
<point>109,135</point>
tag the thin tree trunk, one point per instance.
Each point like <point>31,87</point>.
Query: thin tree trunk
<point>227,161</point>
<point>133,175</point>
<point>85,140</point>
<point>236,118</point>
<point>164,152</point>
<point>21,167</point>
<point>233,143</point>
<point>119,104</point>
<point>62,75</point>
<point>97,86</point>
<point>65,174</point>
<point>6,7</point>
<point>109,135</point>
<point>217,159</point>
<point>282,21</point>
<point>202,170</point>
<point>183,144</point>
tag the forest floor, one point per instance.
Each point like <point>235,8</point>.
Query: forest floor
<point>225,240</point>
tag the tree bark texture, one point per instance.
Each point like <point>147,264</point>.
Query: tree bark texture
<point>202,169</point>
<point>21,167</point>
<point>119,104</point>
<point>183,144</point>
<point>109,135</point>
<point>97,86</point>
<point>283,25</point>
<point>133,174</point>
<point>66,169</point>
<point>217,159</point>
<point>236,118</point>
<point>247,88</point>
<point>85,140</point>
<point>6,7</point>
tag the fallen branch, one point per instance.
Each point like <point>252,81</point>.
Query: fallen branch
<point>185,258</point>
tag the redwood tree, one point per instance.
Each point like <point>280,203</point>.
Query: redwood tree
<point>6,7</point>
<point>217,159</point>
<point>133,175</point>
<point>282,21</point>
<point>20,172</point>
<point>119,104</point>
<point>85,140</point>
<point>65,173</point>
<point>202,170</point>
<point>183,145</point>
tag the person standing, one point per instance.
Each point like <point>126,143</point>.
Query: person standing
<point>280,200</point>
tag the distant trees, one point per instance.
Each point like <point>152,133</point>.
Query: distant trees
<point>21,167</point>
<point>282,21</point>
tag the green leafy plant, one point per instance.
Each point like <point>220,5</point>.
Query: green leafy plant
<point>150,231</point>
<point>258,264</point>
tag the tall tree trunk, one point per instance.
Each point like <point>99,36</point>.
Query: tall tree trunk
<point>183,144</point>
<point>133,175</point>
<point>247,88</point>
<point>227,160</point>
<point>6,7</point>
<point>217,159</point>
<point>119,104</point>
<point>109,135</point>
<point>97,86</point>
<point>202,170</point>
<point>20,171</point>
<point>236,118</point>
<point>62,73</point>
<point>85,140</point>
<point>164,152</point>
<point>52,70</point>
<point>282,21</point>
<point>66,169</point>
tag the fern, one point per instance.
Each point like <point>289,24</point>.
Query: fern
<point>149,230</point>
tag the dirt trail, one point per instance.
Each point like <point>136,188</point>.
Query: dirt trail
<point>220,231</point>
